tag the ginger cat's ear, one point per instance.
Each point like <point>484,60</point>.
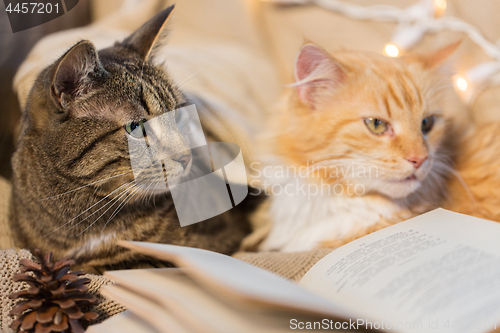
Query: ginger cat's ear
<point>437,58</point>
<point>317,75</point>
<point>149,36</point>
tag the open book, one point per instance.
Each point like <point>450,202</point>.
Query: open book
<point>439,272</point>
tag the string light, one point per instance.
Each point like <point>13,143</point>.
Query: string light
<point>461,83</point>
<point>406,36</point>
<point>413,22</point>
<point>440,7</point>
<point>391,50</point>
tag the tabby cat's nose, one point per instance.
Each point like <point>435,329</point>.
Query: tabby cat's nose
<point>183,160</point>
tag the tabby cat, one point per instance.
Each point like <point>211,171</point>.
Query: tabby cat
<point>363,141</point>
<point>73,187</point>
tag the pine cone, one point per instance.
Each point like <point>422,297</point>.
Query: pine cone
<point>55,297</point>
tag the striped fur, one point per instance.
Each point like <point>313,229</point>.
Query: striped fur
<point>73,187</point>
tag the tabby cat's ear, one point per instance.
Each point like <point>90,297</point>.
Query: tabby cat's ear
<point>74,73</point>
<point>317,75</point>
<point>150,36</point>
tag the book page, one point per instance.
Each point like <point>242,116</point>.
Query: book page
<point>438,272</point>
<point>146,309</point>
<point>197,309</point>
<point>240,280</point>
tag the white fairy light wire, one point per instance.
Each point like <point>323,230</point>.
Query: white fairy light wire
<point>413,22</point>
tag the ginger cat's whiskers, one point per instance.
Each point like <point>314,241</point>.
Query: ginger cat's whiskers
<point>447,168</point>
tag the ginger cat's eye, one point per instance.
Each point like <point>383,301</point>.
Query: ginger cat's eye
<point>376,126</point>
<point>427,124</point>
<point>131,129</point>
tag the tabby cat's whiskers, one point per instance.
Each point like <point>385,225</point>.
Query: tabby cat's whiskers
<point>107,196</point>
<point>192,76</point>
<point>114,201</point>
<point>82,187</point>
<point>117,210</point>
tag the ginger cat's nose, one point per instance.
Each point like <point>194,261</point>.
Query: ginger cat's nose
<point>183,160</point>
<point>417,160</point>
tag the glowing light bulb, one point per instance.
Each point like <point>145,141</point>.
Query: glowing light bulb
<point>440,7</point>
<point>461,84</point>
<point>391,50</point>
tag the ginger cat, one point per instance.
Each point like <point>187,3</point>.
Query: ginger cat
<point>477,189</point>
<point>370,141</point>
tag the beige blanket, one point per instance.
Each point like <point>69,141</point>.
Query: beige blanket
<point>5,236</point>
<point>289,265</point>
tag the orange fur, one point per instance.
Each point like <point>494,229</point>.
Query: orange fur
<point>402,91</point>
<point>476,190</point>
<point>323,124</point>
